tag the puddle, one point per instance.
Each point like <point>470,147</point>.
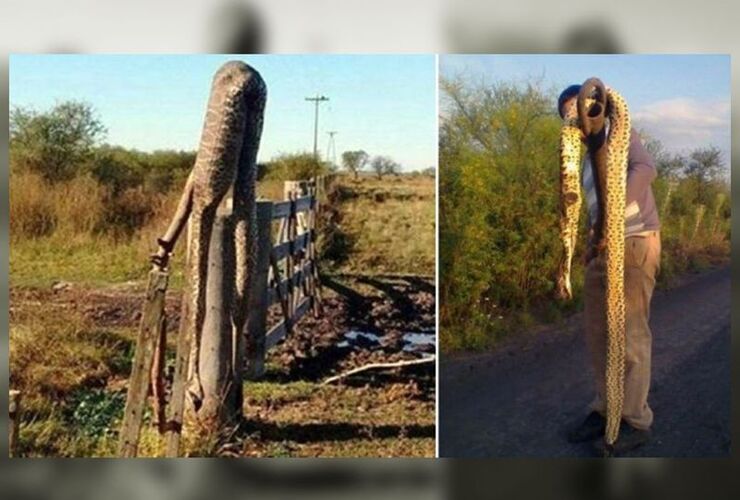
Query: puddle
<point>418,341</point>
<point>411,341</point>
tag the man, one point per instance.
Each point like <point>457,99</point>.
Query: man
<point>642,262</point>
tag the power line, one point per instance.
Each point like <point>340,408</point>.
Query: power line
<point>316,100</point>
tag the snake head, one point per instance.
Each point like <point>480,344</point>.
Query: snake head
<point>159,261</point>
<point>592,102</point>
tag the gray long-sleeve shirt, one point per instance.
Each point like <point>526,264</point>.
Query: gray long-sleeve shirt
<point>641,213</point>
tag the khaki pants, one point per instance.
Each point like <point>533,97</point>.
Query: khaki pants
<point>641,264</point>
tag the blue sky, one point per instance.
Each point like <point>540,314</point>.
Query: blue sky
<point>384,104</point>
<point>683,100</point>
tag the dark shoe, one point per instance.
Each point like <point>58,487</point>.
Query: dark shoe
<point>591,428</point>
<point>630,438</point>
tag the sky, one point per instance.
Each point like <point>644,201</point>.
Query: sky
<point>384,104</point>
<point>682,100</point>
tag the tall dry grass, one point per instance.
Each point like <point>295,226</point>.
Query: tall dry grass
<point>77,228</point>
<point>32,207</point>
<point>80,207</point>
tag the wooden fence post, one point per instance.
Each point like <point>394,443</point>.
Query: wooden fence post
<point>15,417</point>
<point>176,406</point>
<point>220,389</point>
<point>313,281</point>
<point>258,301</point>
<point>150,329</point>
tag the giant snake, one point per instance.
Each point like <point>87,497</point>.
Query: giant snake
<point>587,117</point>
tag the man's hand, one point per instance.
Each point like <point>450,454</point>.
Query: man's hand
<point>162,257</point>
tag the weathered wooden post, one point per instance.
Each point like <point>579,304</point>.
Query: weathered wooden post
<point>150,330</point>
<point>294,190</point>
<point>220,403</point>
<point>259,299</point>
<point>176,407</point>
<point>15,417</point>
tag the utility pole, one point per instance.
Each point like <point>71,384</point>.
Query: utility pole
<point>316,100</point>
<point>331,147</point>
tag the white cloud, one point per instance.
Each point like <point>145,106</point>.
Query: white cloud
<point>684,123</point>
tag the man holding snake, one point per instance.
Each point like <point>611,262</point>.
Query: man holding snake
<point>642,262</point>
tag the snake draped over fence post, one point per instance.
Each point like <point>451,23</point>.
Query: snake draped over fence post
<point>225,160</point>
<point>587,118</point>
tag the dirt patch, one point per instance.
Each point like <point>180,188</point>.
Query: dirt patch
<point>289,411</point>
<point>105,308</point>
<point>384,306</point>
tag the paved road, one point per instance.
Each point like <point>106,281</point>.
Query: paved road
<point>518,400</point>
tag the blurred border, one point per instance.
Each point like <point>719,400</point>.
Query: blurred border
<point>237,26</point>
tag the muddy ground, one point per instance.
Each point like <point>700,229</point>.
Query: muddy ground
<point>289,411</point>
<point>386,307</point>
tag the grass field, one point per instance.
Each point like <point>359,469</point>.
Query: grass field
<point>75,301</point>
<point>387,225</point>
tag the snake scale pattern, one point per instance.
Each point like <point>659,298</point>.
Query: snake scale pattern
<point>225,160</point>
<point>610,174</point>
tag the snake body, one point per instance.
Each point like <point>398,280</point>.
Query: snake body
<point>615,196</point>
<point>571,154</point>
<point>225,160</point>
<point>609,155</point>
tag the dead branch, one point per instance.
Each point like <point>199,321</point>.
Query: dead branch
<point>380,366</point>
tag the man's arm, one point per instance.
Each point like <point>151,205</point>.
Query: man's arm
<point>641,171</point>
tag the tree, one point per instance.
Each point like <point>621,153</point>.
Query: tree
<point>57,143</point>
<point>393,168</point>
<point>705,164</point>
<point>294,166</point>
<point>669,165</point>
<point>705,167</point>
<point>382,165</point>
<point>354,161</point>
<point>120,168</point>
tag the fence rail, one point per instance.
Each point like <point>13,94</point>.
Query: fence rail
<point>283,209</point>
<point>287,268</point>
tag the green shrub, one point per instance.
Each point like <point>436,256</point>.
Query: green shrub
<point>96,412</point>
<point>56,144</point>
<point>296,166</point>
